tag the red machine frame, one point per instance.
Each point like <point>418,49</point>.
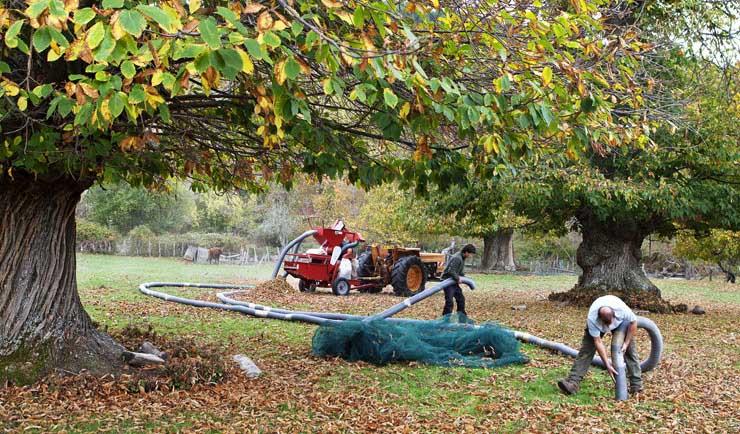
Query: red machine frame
<point>316,270</point>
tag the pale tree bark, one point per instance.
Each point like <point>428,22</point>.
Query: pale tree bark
<point>44,327</point>
<point>498,251</point>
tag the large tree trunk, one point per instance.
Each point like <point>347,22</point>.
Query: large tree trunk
<point>611,259</point>
<point>487,260</point>
<point>505,250</point>
<point>44,327</point>
<point>498,251</point>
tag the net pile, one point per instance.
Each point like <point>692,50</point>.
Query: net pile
<point>442,342</point>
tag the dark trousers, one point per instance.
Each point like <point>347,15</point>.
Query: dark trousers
<point>454,292</point>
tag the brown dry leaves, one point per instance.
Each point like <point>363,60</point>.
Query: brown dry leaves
<point>695,389</point>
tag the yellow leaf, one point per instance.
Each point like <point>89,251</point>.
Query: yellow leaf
<point>152,96</point>
<point>105,110</point>
<point>247,65</point>
<point>345,16</point>
<point>89,90</point>
<point>11,88</point>
<point>157,77</point>
<point>279,71</point>
<point>22,103</point>
<point>264,22</point>
<point>279,25</point>
<point>546,76</point>
<point>54,52</point>
<point>194,5</point>
<point>71,5</point>
<point>252,8</point>
<point>331,4</point>
<point>405,109</point>
<point>117,30</point>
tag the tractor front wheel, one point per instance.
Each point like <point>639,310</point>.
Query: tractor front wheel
<point>306,286</point>
<point>365,266</point>
<point>340,286</point>
<point>409,276</point>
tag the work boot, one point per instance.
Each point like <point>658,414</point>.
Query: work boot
<point>635,389</point>
<point>568,387</point>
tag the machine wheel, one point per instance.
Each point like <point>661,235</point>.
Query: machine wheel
<point>365,266</point>
<point>340,286</point>
<point>408,276</point>
<point>306,286</point>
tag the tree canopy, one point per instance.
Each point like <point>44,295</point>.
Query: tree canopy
<point>230,93</point>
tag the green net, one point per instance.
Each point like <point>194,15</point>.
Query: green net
<point>442,342</point>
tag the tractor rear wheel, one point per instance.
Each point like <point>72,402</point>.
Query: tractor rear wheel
<point>340,286</point>
<point>408,276</point>
<point>365,266</point>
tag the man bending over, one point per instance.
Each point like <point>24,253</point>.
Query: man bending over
<point>605,314</point>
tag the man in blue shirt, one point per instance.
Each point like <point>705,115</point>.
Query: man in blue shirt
<point>605,314</point>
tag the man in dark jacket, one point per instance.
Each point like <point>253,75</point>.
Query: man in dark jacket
<point>454,269</point>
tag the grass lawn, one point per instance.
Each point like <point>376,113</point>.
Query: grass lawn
<point>695,388</point>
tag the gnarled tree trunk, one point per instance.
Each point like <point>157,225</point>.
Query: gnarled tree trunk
<point>611,259</point>
<point>44,327</point>
<point>498,251</point>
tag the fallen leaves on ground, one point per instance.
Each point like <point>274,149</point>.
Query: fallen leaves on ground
<point>696,388</point>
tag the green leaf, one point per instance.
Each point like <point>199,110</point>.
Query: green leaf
<point>232,62</point>
<point>390,98</point>
<point>164,113</point>
<point>128,69</point>
<point>65,106</point>
<point>272,39</point>
<point>136,95</point>
<point>292,68</point>
<point>117,103</point>
<point>546,114</point>
<point>13,31</point>
<point>95,35</point>
<point>254,49</point>
<point>4,67</point>
<point>328,88</point>
<point>588,104</point>
<point>209,32</point>
<point>106,48</point>
<point>84,16</point>
<point>203,61</point>
<point>57,36</point>
<point>35,9</point>
<point>41,39</point>
<point>159,16</point>
<point>56,8</point>
<point>132,22</point>
<point>228,14</point>
<point>358,18</point>
<point>189,51</point>
<point>112,4</point>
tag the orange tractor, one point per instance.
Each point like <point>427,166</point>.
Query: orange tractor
<point>405,269</point>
